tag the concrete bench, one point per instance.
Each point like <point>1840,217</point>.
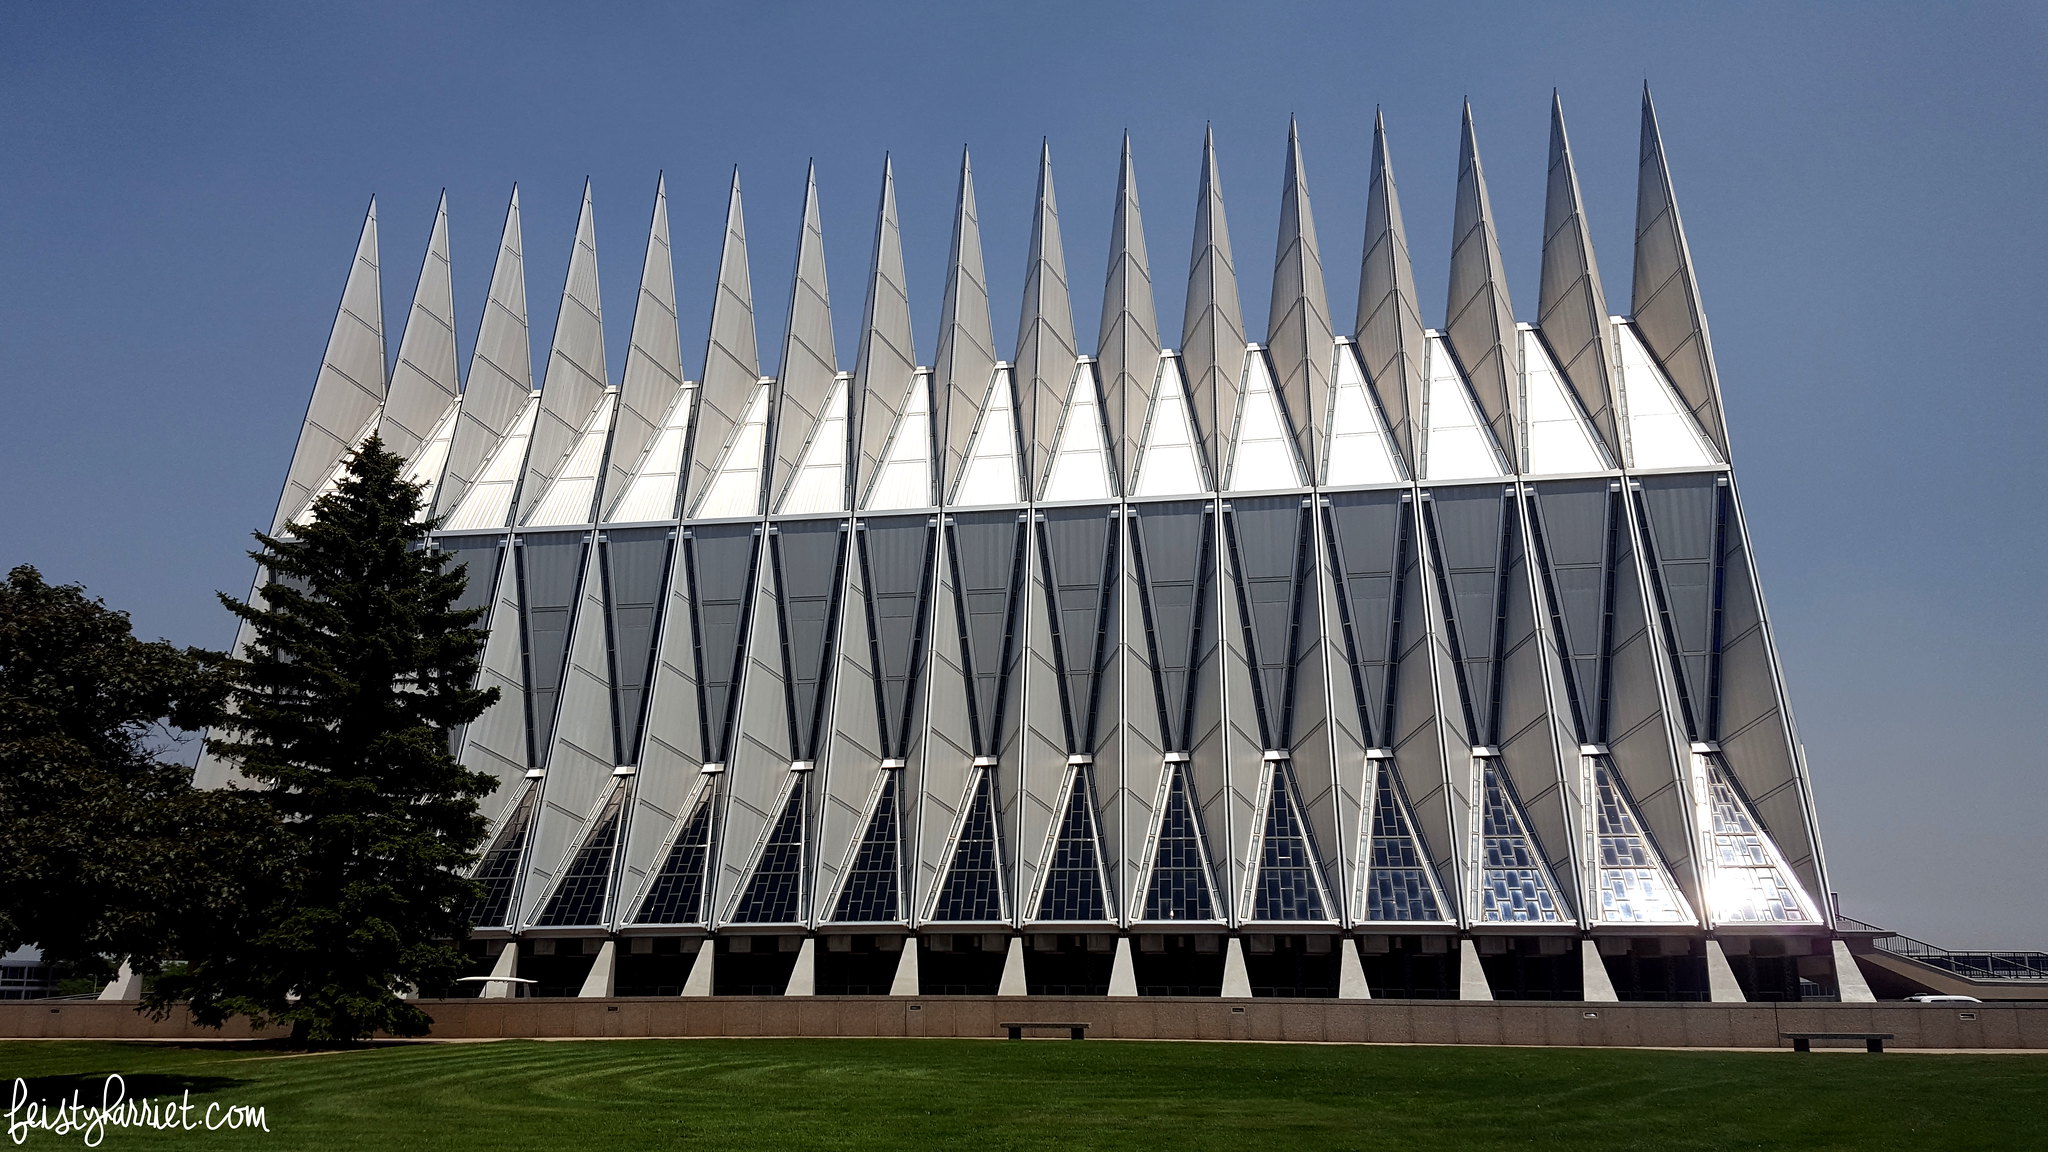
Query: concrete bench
<point>1016,1028</point>
<point>1803,1041</point>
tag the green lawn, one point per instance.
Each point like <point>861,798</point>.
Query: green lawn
<point>969,1094</point>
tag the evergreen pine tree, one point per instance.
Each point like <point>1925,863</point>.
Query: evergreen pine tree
<point>341,708</point>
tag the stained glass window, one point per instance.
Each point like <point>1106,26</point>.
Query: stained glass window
<point>1179,888</point>
<point>579,898</point>
<point>1286,888</point>
<point>775,895</point>
<point>677,894</point>
<point>869,891</point>
<point>499,870</point>
<point>1073,879</point>
<point>1634,887</point>
<point>974,884</point>
<point>1397,879</point>
<point>1515,887</point>
<point>1752,884</point>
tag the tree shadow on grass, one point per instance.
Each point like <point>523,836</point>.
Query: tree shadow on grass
<point>94,1090</point>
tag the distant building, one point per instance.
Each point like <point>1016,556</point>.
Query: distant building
<point>1400,662</point>
<point>23,976</point>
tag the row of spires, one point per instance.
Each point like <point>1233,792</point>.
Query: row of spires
<point>1388,332</point>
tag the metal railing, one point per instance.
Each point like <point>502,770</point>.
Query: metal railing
<point>1970,964</point>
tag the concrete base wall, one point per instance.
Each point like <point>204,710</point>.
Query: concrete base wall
<point>1372,1022</point>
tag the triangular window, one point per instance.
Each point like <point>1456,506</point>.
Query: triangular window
<point>775,895</point>
<point>1398,884</point>
<point>677,894</point>
<point>1074,888</point>
<point>974,884</point>
<point>1286,886</point>
<point>579,898</point>
<point>871,889</point>
<point>1515,887</point>
<point>1179,888</point>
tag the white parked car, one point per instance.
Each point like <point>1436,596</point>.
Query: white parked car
<point>1934,998</point>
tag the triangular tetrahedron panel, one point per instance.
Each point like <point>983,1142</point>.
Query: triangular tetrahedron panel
<point>736,485</point>
<point>1399,886</point>
<point>655,491</point>
<point>1285,884</point>
<point>1272,548</point>
<point>820,484</point>
<point>487,503</point>
<point>1664,299</point>
<point>431,461</point>
<point>1073,886</point>
<point>550,574</point>
<point>1372,540</point>
<point>1578,527</point>
<point>1212,329</point>
<point>576,378</point>
<point>872,890</point>
<point>1389,329</point>
<point>424,381</point>
<point>1045,331</point>
<point>1361,448</point>
<point>990,473</point>
<point>580,894</point>
<point>498,872</point>
<point>1752,883</point>
<point>1560,439</point>
<point>350,387</point>
<point>810,558</point>
<point>896,569</point>
<point>500,380</point>
<point>1298,320</point>
<point>1129,349</point>
<point>732,369</point>
<point>809,376</point>
<point>1080,467</point>
<point>1514,885</point>
<point>1170,461</point>
<point>677,894</point>
<point>986,553</point>
<point>1685,522</point>
<point>1474,542</point>
<point>1479,321</point>
<point>1570,306</point>
<point>1262,452</point>
<point>888,355</point>
<point>904,479</point>
<point>966,351</point>
<point>723,561</point>
<point>635,566</point>
<point>1077,547</point>
<point>572,494</point>
<point>973,889</point>
<point>654,363</point>
<point>1456,443</point>
<point>1179,887</point>
<point>1635,887</point>
<point>1174,549</point>
<point>1661,433</point>
<point>775,894</point>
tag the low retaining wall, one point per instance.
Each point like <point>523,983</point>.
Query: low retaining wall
<point>1343,1021</point>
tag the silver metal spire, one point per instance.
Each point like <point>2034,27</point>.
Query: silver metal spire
<point>1479,321</point>
<point>1665,303</point>
<point>1571,309</point>
<point>1298,336</point>
<point>1212,333</point>
<point>1128,351</point>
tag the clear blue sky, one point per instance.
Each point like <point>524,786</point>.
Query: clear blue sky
<point>1861,183</point>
